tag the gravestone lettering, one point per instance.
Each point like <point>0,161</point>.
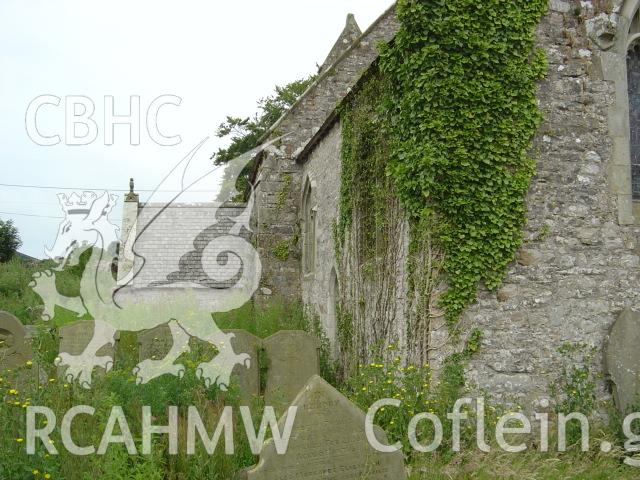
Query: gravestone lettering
<point>328,442</point>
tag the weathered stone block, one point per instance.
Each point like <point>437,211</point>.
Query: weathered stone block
<point>248,378</point>
<point>154,344</point>
<point>76,337</point>
<point>293,358</point>
<point>328,442</point>
<point>14,346</point>
<point>622,360</point>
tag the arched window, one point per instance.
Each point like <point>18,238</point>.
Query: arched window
<point>309,229</point>
<point>618,37</point>
<point>633,86</point>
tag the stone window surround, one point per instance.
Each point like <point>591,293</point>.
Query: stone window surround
<point>308,248</point>
<point>614,68</point>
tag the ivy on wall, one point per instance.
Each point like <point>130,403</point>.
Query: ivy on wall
<point>459,115</point>
<point>365,189</point>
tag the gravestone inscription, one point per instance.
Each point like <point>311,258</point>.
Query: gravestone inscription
<point>328,442</point>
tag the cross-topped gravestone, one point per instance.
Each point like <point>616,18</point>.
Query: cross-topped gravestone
<point>293,357</point>
<point>14,346</point>
<point>328,442</point>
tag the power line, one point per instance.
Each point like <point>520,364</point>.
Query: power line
<point>52,187</point>
<point>30,215</point>
<point>44,216</point>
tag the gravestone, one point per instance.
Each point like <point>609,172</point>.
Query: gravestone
<point>248,378</point>
<point>15,349</point>
<point>293,357</point>
<point>622,360</point>
<point>328,442</point>
<point>74,339</point>
<point>155,343</point>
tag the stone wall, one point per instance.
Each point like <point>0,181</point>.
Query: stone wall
<point>580,264</point>
<point>278,182</point>
<point>322,171</point>
<point>579,267</point>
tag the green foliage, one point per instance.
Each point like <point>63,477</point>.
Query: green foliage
<point>329,368</point>
<point>284,193</point>
<point>266,320</point>
<point>17,297</point>
<point>460,113</point>
<point>544,232</point>
<point>281,250</point>
<point>364,189</point>
<point>388,378</point>
<point>245,133</point>
<point>575,389</point>
<point>118,387</point>
<point>9,240</point>
<point>19,388</point>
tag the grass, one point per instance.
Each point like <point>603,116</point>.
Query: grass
<point>525,466</point>
<point>19,388</point>
<point>17,298</point>
<point>264,321</point>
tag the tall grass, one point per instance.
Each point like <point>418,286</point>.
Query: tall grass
<point>23,387</point>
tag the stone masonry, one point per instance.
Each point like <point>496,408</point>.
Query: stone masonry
<point>278,180</point>
<point>580,264</point>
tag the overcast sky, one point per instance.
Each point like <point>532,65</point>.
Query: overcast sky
<point>219,57</point>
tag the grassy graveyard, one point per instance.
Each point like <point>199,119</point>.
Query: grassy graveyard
<point>388,377</point>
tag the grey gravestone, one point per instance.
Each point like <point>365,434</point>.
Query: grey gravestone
<point>248,378</point>
<point>328,442</point>
<point>293,357</point>
<point>75,337</point>
<point>15,349</point>
<point>155,343</point>
<point>622,360</point>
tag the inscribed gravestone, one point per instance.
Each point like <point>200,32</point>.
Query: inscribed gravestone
<point>622,360</point>
<point>75,337</point>
<point>293,357</point>
<point>14,346</point>
<point>328,442</point>
<point>155,343</point>
<point>248,378</point>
